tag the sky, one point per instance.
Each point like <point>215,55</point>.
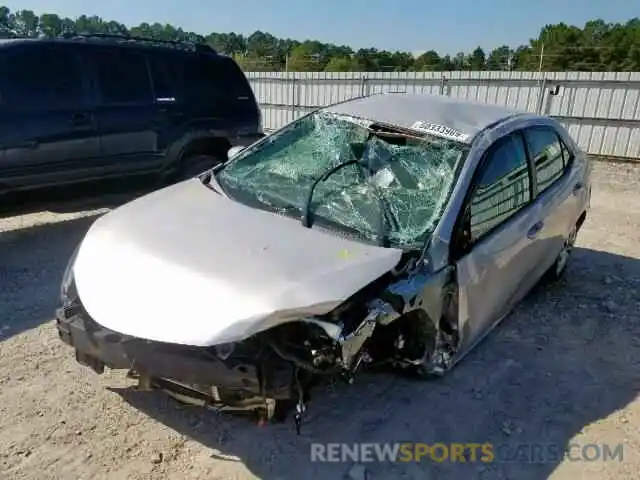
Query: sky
<point>447,26</point>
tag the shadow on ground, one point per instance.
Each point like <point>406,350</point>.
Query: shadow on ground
<point>539,378</point>
<point>33,259</point>
<point>32,262</point>
<point>68,199</point>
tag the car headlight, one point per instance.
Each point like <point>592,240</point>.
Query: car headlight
<point>68,291</point>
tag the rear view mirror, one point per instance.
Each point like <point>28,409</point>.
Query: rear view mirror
<point>383,178</point>
<point>358,148</point>
<point>233,151</point>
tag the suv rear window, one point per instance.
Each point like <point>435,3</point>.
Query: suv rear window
<point>233,78</point>
<point>216,81</point>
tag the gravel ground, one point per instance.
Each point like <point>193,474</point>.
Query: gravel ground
<point>564,367</point>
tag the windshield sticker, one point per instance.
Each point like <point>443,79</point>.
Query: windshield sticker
<point>440,131</point>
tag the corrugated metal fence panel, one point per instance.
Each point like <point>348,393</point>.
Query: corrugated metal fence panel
<point>273,93</point>
<point>600,109</point>
<point>517,90</point>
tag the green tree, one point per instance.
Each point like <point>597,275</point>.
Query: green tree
<point>307,57</point>
<point>597,46</point>
<point>366,60</point>
<point>227,43</point>
<point>50,25</point>
<point>460,61</point>
<point>262,44</point>
<point>500,58</point>
<point>477,60</point>
<point>25,23</point>
<point>6,22</point>
<point>428,61</point>
<point>91,24</point>
<point>447,64</point>
<point>339,64</point>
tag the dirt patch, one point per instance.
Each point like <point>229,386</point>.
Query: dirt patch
<point>563,368</point>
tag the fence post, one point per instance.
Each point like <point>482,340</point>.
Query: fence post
<point>294,99</point>
<point>443,81</point>
<point>541,95</point>
<point>364,87</point>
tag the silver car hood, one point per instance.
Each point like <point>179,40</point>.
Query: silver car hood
<point>189,266</point>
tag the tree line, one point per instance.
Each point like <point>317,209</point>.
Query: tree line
<point>598,46</point>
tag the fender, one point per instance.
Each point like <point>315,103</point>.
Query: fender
<point>199,141</point>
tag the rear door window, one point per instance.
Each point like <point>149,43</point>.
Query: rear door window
<point>503,187</point>
<point>42,77</point>
<point>166,74</point>
<point>123,77</point>
<point>548,153</point>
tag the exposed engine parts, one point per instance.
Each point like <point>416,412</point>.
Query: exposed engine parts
<point>396,327</point>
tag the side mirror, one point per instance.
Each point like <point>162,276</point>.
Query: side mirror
<point>233,151</point>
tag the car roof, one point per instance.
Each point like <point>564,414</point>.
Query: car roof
<point>453,118</point>
<point>136,43</point>
<point>10,41</point>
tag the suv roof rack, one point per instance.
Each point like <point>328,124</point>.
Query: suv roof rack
<point>124,38</point>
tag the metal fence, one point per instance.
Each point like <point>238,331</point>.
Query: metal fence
<point>600,109</point>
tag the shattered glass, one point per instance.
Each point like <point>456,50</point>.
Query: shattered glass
<point>411,180</point>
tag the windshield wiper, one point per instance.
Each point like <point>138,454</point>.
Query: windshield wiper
<point>306,209</point>
<point>386,214</point>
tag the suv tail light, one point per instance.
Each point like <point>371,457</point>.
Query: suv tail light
<point>260,122</point>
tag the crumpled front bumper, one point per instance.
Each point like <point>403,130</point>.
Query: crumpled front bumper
<point>97,347</point>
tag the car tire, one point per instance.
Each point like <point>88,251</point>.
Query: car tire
<point>559,267</point>
<point>418,334</point>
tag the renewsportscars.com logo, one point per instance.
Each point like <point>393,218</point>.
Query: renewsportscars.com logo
<point>465,452</point>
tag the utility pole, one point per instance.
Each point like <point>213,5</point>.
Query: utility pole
<point>541,56</point>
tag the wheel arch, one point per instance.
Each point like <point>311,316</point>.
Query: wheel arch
<point>196,143</point>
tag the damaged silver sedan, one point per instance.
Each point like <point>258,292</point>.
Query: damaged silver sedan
<point>394,229</point>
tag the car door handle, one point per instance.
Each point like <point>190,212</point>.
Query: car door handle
<point>80,120</point>
<point>535,230</point>
<point>30,144</point>
<point>577,188</point>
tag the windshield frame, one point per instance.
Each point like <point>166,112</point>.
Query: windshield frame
<point>333,227</point>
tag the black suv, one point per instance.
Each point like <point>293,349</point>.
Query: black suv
<point>90,107</point>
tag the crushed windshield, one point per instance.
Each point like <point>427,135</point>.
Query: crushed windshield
<point>409,177</point>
